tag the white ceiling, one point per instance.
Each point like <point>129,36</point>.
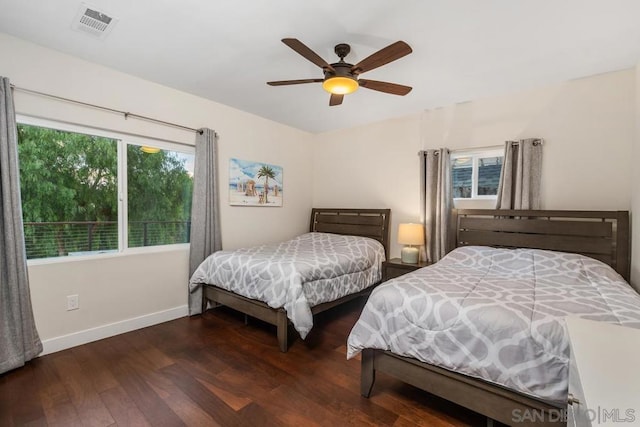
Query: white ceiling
<point>225,50</point>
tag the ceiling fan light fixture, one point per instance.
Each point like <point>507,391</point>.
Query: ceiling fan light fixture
<point>340,85</point>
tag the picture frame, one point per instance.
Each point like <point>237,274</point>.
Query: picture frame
<point>255,183</point>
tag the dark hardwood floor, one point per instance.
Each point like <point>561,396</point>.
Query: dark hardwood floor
<point>214,370</point>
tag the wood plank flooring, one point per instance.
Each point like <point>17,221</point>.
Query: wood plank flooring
<point>214,370</point>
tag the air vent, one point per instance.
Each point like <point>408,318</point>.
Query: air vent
<point>93,21</point>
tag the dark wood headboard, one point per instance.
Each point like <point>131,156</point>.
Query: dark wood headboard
<point>373,223</point>
<point>603,235</point>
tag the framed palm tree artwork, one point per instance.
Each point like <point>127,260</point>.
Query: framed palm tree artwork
<point>254,183</point>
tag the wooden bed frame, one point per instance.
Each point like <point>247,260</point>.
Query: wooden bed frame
<point>603,235</point>
<point>372,223</point>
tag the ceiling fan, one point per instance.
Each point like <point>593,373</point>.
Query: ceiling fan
<point>341,78</point>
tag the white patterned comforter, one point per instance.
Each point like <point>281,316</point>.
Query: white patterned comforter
<point>495,314</point>
<point>297,274</point>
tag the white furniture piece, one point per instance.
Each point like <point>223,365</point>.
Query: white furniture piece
<point>604,379</point>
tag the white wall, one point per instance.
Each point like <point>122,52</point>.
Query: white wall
<point>374,166</point>
<point>588,126</point>
<point>113,289</point>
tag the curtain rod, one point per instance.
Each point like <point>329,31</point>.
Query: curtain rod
<point>125,114</point>
<point>490,147</point>
<point>486,147</point>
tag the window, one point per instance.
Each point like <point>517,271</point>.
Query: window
<point>70,180</point>
<point>159,196</point>
<point>476,175</point>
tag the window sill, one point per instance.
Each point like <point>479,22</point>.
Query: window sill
<point>475,203</point>
<point>457,199</point>
<point>108,255</point>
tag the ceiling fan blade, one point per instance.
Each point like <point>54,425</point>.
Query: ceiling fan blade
<point>386,87</point>
<point>388,54</point>
<point>335,99</point>
<point>307,53</point>
<point>294,82</point>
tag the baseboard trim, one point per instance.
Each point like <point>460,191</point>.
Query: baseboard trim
<point>64,342</point>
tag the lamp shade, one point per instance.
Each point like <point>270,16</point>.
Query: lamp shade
<point>340,85</point>
<point>411,234</point>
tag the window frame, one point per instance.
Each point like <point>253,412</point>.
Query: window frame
<point>122,141</point>
<point>476,155</point>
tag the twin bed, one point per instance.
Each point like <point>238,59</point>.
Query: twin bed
<point>483,327</point>
<point>289,282</point>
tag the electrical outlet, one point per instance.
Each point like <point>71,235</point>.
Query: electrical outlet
<point>73,302</point>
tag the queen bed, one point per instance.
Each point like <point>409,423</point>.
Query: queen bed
<point>288,282</point>
<point>484,326</point>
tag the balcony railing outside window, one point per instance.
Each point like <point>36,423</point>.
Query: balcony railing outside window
<point>56,239</point>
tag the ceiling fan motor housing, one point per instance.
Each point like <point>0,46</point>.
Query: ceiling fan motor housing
<point>341,69</point>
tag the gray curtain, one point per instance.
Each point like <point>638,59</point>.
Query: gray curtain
<point>19,340</point>
<point>519,186</point>
<point>436,202</point>
<point>205,211</point>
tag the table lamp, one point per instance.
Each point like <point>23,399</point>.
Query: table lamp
<point>413,236</point>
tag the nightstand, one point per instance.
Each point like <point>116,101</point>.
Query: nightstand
<point>395,267</point>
